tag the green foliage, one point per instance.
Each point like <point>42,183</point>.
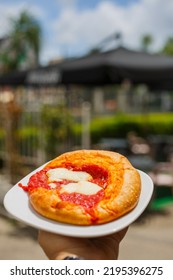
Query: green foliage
<point>24,35</point>
<point>146,41</point>
<point>27,132</point>
<point>26,28</point>
<point>57,127</point>
<point>120,125</point>
<point>2,136</point>
<point>2,133</point>
<point>25,135</point>
<point>168,48</point>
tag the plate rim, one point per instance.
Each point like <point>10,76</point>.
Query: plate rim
<point>90,231</point>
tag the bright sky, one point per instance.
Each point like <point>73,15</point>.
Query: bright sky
<point>72,27</point>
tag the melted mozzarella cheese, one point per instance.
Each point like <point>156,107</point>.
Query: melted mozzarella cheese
<point>59,174</point>
<point>52,185</point>
<point>80,178</point>
<point>82,187</point>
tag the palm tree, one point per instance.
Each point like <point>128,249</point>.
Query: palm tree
<point>146,42</point>
<point>168,47</point>
<point>25,39</point>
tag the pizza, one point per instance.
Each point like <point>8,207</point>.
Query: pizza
<point>85,187</point>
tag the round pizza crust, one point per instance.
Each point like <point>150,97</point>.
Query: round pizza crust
<point>121,194</point>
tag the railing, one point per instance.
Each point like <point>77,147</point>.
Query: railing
<point>21,131</point>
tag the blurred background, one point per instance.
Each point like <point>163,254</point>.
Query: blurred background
<point>93,75</point>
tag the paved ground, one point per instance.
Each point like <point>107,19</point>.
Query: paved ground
<point>151,237</point>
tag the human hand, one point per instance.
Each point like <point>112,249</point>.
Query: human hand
<point>57,247</point>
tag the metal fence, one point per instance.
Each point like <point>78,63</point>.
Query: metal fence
<point>22,129</point>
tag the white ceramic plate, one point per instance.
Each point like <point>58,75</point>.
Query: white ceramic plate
<point>17,204</point>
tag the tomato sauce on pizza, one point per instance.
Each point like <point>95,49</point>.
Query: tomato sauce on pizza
<point>99,177</point>
<point>84,187</point>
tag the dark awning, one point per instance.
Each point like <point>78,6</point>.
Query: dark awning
<point>16,78</point>
<point>117,65</point>
<point>111,67</point>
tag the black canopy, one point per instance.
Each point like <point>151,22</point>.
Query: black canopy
<point>111,67</point>
<point>14,79</point>
<point>117,65</point>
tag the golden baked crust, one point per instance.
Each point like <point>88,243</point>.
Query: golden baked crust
<point>120,195</point>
